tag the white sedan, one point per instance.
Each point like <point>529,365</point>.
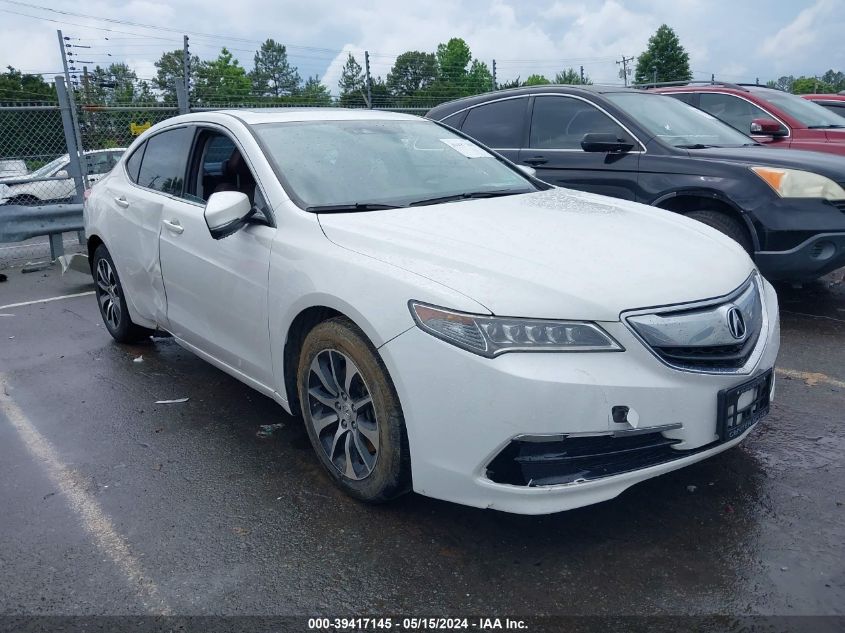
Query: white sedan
<point>442,321</point>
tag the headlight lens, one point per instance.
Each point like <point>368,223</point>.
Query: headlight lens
<point>491,336</point>
<point>796,183</point>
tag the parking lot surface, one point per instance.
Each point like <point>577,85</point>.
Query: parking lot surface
<point>113,504</point>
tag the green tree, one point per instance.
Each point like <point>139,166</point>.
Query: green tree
<point>836,79</point>
<point>412,71</point>
<point>514,83</point>
<point>314,92</point>
<point>664,57</point>
<point>536,80</point>
<point>273,75</point>
<point>453,57</point>
<point>169,68</point>
<point>783,83</point>
<point>222,80</point>
<point>811,85</point>
<point>571,76</point>
<point>352,84</point>
<point>115,85</point>
<point>16,86</point>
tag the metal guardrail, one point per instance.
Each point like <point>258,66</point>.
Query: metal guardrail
<point>19,222</point>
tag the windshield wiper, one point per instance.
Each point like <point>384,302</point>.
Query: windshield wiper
<point>825,127</point>
<point>468,195</point>
<point>696,146</point>
<point>354,206</point>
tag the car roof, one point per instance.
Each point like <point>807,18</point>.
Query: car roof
<point>466,102</point>
<point>824,97</point>
<point>252,116</point>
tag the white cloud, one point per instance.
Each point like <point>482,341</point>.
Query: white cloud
<point>801,36</point>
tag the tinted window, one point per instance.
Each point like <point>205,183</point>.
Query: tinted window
<point>133,164</point>
<point>736,112</point>
<point>498,124</point>
<point>562,122</point>
<point>685,97</point>
<point>164,163</point>
<point>100,163</point>
<point>221,168</point>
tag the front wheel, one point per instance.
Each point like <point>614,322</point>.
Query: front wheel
<point>112,301</point>
<point>352,413</point>
<point>726,225</point>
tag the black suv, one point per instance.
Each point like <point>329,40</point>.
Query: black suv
<point>787,209</point>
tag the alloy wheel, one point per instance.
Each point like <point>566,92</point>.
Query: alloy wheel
<point>108,294</point>
<point>342,414</point>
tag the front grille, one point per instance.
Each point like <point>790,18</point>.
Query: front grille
<point>572,459</point>
<point>699,337</point>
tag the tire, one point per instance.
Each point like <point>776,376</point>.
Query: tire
<point>365,448</point>
<point>726,225</point>
<point>112,301</point>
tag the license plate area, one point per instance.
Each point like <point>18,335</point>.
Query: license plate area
<point>743,406</point>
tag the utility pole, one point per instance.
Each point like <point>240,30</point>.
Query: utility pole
<point>70,96</point>
<point>624,72</point>
<point>186,71</point>
<point>495,83</point>
<point>369,80</point>
<point>582,75</point>
<point>654,75</point>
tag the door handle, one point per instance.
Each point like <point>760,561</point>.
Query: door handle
<point>535,161</point>
<point>173,226</point>
<point>122,202</point>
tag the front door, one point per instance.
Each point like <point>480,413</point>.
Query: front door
<point>558,125</point>
<point>217,289</point>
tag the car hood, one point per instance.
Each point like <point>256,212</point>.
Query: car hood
<point>829,165</point>
<point>552,254</point>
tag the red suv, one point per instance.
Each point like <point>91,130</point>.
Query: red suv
<point>834,103</point>
<point>770,116</point>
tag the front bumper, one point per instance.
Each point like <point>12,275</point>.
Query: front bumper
<point>461,410</point>
<point>813,258</point>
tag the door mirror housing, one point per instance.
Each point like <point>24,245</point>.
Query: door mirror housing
<point>767,127</point>
<point>226,212</point>
<point>62,173</point>
<point>528,170</point>
<point>605,142</point>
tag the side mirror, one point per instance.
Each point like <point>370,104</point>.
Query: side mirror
<point>62,173</point>
<point>528,171</point>
<point>605,142</point>
<point>226,212</point>
<point>767,127</point>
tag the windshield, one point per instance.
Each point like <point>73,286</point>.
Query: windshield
<point>808,113</point>
<point>392,163</point>
<point>49,167</point>
<point>676,123</point>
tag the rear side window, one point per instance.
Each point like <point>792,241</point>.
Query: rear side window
<point>686,97</point>
<point>499,124</point>
<point>736,112</point>
<point>562,122</point>
<point>133,163</point>
<point>165,161</point>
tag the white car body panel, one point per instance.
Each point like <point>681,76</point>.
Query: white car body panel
<point>556,254</point>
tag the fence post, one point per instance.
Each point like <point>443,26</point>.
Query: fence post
<point>74,163</point>
<point>495,83</point>
<point>71,100</point>
<point>369,80</point>
<point>182,97</point>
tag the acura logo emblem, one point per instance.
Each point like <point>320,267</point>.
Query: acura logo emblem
<point>736,323</point>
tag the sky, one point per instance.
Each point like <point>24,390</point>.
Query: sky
<point>737,40</point>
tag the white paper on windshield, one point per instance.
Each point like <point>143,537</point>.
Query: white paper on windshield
<point>468,149</point>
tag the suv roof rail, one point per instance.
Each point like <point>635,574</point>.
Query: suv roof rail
<point>706,82</point>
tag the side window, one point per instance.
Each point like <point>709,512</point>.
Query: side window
<point>133,164</point>
<point>455,120</point>
<point>836,108</point>
<point>736,112</point>
<point>686,97</point>
<point>219,166</point>
<point>499,124</point>
<point>165,161</point>
<point>99,163</point>
<point>562,122</point>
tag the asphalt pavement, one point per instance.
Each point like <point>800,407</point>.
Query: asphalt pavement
<point>113,504</point>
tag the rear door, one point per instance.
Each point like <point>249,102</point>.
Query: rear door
<point>150,186</point>
<point>558,124</point>
<point>217,289</point>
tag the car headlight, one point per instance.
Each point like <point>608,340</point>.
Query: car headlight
<point>796,183</point>
<point>490,336</point>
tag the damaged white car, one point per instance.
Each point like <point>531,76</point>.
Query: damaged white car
<point>442,321</point>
